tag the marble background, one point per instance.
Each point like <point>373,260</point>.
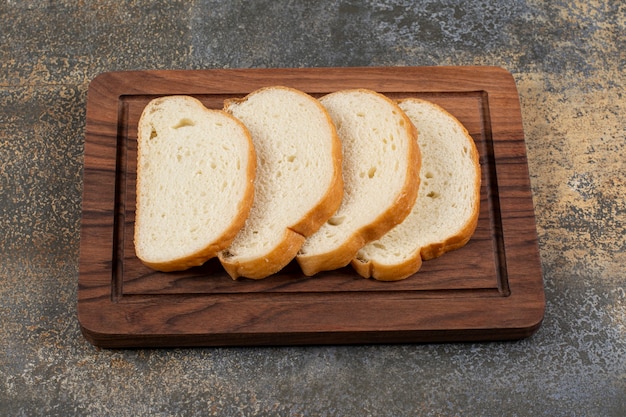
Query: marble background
<point>568,60</point>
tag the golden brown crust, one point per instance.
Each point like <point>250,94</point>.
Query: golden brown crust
<point>312,264</point>
<point>455,242</point>
<point>212,249</point>
<point>382,272</point>
<point>271,263</point>
<point>394,215</point>
<point>397,272</point>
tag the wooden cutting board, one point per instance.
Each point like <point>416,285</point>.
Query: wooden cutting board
<point>491,289</point>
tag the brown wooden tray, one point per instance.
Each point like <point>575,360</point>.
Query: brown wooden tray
<point>491,289</point>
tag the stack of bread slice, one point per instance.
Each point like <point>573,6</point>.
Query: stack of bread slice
<point>350,178</point>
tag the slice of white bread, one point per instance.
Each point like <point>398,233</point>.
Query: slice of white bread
<point>298,184</point>
<point>195,182</point>
<point>446,211</point>
<point>381,162</point>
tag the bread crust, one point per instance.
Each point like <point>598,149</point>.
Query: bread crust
<point>395,213</point>
<point>340,257</point>
<point>328,205</point>
<point>385,272</point>
<point>270,263</point>
<point>295,234</point>
<point>225,239</point>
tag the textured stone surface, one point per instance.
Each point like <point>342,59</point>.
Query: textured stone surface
<point>568,60</point>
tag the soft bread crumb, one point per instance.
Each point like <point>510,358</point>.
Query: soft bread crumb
<point>195,170</point>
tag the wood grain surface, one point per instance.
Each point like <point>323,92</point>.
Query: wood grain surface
<point>491,289</point>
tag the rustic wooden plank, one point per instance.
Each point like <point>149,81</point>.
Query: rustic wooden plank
<point>491,289</point>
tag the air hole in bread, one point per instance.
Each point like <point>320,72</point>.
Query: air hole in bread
<point>433,194</point>
<point>183,123</point>
<point>428,174</point>
<point>291,158</point>
<point>371,172</point>
<point>153,133</point>
<point>378,245</point>
<point>336,220</point>
<point>360,114</point>
<point>361,259</point>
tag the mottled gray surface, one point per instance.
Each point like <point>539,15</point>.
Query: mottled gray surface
<point>568,59</point>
